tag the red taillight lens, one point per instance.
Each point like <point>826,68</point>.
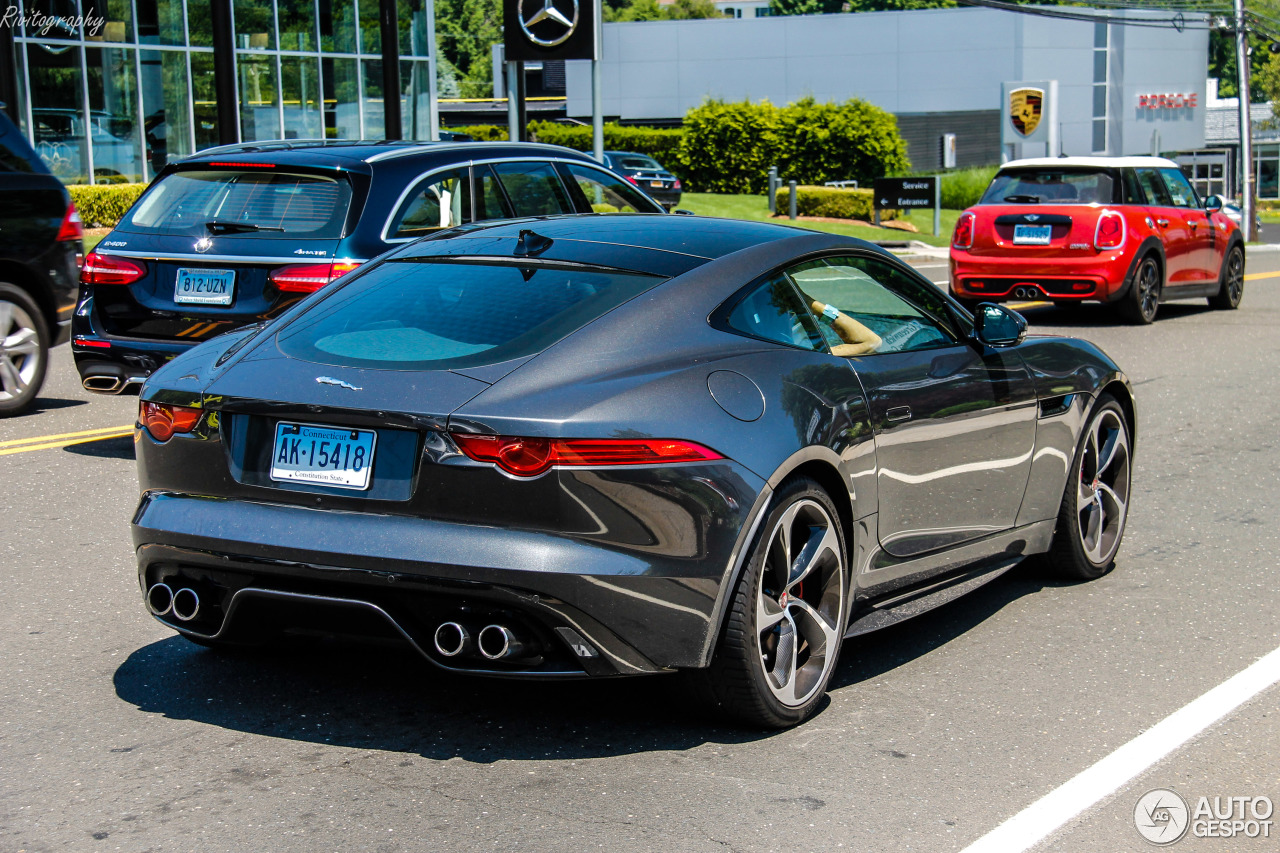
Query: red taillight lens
<point>676,185</point>
<point>1110,231</point>
<point>108,269</point>
<point>308,278</point>
<point>529,457</point>
<point>963,236</point>
<point>72,228</point>
<point>162,420</point>
<point>631,179</point>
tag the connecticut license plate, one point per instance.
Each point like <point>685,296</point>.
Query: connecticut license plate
<point>1035,235</point>
<point>204,287</point>
<point>323,455</point>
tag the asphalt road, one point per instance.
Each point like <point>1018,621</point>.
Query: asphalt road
<point>116,734</point>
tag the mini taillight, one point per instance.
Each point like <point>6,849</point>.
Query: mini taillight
<point>1110,231</point>
<point>108,269</point>
<point>72,228</point>
<point>963,236</point>
<point>163,420</point>
<point>529,457</point>
<point>308,278</point>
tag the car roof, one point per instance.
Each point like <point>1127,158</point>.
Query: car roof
<point>1090,162</point>
<point>321,152</point>
<point>655,243</point>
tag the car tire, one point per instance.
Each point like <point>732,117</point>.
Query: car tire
<point>1230,281</point>
<point>1094,509</point>
<point>782,635</point>
<point>1141,303</point>
<point>24,349</point>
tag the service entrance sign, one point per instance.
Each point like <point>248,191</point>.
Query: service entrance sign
<point>904,193</point>
<point>535,30</point>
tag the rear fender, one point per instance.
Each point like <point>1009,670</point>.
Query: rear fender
<point>1151,245</point>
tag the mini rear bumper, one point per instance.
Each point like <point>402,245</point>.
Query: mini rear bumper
<point>586,610</point>
<point>1097,276</point>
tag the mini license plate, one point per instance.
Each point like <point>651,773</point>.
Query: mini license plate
<point>204,287</point>
<point>1034,235</point>
<point>324,456</point>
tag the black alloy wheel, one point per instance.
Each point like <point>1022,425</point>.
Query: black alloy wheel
<point>1230,281</point>
<point>1143,299</point>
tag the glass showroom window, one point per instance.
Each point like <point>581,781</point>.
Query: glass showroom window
<point>166,118</point>
<point>57,113</point>
<point>1268,171</point>
<point>259,106</point>
<point>112,84</point>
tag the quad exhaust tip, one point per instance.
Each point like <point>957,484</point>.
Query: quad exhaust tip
<point>186,604</point>
<point>160,599</point>
<point>497,642</point>
<point>452,639</point>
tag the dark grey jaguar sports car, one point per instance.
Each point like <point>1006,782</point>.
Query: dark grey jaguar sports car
<point>614,445</point>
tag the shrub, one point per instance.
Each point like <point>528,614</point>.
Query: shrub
<point>102,205</point>
<point>484,132</point>
<point>833,202</point>
<point>662,144</point>
<point>728,148</point>
<point>821,142</point>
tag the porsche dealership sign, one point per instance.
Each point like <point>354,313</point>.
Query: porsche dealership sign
<point>1030,114</point>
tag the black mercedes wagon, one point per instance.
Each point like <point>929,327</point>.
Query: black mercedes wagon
<point>235,235</point>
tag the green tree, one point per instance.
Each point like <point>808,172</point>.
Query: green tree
<point>466,30</point>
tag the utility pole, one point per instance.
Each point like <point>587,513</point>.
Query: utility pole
<point>1246,126</point>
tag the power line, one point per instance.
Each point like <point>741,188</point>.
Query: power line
<point>1178,21</point>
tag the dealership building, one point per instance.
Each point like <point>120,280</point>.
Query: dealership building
<point>115,94</point>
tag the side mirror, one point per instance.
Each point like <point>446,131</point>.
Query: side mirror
<point>1213,204</point>
<point>683,212</point>
<point>997,326</point>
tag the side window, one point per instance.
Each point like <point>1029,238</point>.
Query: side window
<point>490,203</point>
<point>441,201</point>
<point>607,193</point>
<point>772,311</point>
<point>534,188</point>
<point>867,306</point>
<point>1132,192</point>
<point>1154,188</point>
<point>1181,191</point>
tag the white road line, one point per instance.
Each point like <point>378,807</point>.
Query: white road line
<point>930,266</point>
<point>1040,819</point>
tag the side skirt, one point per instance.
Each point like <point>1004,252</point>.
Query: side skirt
<point>904,605</point>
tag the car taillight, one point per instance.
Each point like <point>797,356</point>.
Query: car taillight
<point>308,278</point>
<point>108,269</point>
<point>631,179</point>
<point>1110,231</point>
<point>529,457</point>
<point>72,228</point>
<point>163,420</point>
<point>963,236</point>
<point>676,185</point>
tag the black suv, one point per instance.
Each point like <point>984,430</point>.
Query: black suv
<point>236,235</point>
<point>40,249</point>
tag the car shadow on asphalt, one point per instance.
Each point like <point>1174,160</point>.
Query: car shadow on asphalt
<point>1097,315</point>
<point>111,448</point>
<point>49,404</point>
<point>387,698</point>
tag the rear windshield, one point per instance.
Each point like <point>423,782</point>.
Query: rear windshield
<point>257,204</point>
<point>1051,186</point>
<point>414,314</point>
<point>638,161</point>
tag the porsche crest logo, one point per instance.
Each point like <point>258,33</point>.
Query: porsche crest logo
<point>1025,106</point>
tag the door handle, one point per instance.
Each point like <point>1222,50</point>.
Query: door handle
<point>899,413</point>
<point>1163,223</point>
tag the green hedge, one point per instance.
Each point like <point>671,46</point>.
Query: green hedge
<point>961,188</point>
<point>102,205</point>
<point>729,147</point>
<point>484,132</point>
<point>833,202</point>
<point>662,144</point>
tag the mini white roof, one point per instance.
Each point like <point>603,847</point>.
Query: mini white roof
<point>1091,162</point>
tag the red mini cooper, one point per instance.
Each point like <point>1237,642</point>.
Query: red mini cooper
<point>1130,231</point>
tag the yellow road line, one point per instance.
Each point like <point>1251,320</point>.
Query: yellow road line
<point>1018,306</point>
<point>66,443</point>
<point>1254,276</point>
<point>65,435</point>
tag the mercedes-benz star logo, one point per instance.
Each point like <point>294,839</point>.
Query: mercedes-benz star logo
<point>203,245</point>
<point>550,22</point>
